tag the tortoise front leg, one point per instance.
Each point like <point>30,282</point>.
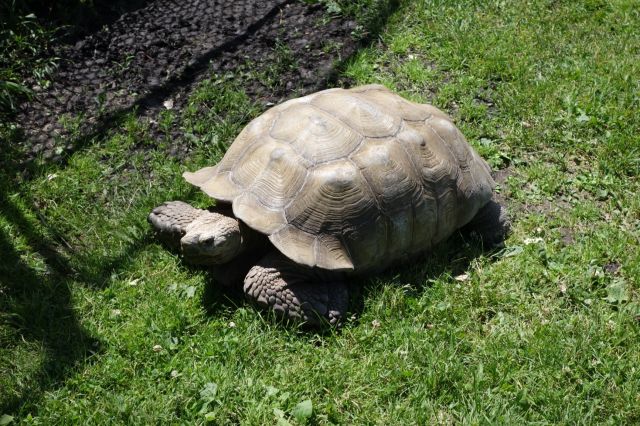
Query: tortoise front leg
<point>170,221</point>
<point>203,237</point>
<point>296,292</point>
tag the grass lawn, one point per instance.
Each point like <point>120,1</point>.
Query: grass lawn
<point>100,324</point>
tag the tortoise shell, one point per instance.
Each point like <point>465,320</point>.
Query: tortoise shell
<point>350,179</point>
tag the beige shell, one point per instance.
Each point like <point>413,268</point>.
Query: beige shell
<point>350,179</point>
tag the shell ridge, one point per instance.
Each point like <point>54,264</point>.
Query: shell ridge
<point>381,212</point>
<point>371,105</point>
<point>458,166</point>
<point>319,108</point>
<point>418,173</point>
<point>371,87</point>
<point>193,177</point>
<point>369,187</point>
<point>449,166</point>
<point>239,159</point>
<point>293,198</point>
<point>416,167</point>
<point>429,117</point>
<point>444,142</point>
<point>273,123</point>
<point>400,128</point>
<point>316,251</point>
<point>327,114</point>
<point>320,249</point>
<point>345,247</point>
<point>421,187</point>
<point>468,170</point>
<point>258,179</point>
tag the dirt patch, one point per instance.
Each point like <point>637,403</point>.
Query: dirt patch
<point>566,236</point>
<point>540,205</point>
<point>163,50</point>
<point>500,177</point>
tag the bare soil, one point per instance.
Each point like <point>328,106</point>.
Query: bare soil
<point>161,51</point>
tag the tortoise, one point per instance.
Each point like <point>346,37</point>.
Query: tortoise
<point>330,185</point>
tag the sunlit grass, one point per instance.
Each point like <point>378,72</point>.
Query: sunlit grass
<point>100,324</point>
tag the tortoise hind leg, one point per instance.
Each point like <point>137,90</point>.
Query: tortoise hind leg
<point>296,292</point>
<point>491,224</point>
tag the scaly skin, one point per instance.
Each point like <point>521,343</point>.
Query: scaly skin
<point>313,296</point>
<point>296,292</point>
<point>203,237</point>
<point>210,238</point>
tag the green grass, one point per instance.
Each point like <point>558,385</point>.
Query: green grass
<point>546,331</point>
<point>24,43</point>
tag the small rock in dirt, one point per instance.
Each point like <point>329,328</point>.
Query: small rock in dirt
<point>536,240</point>
<point>611,268</point>
<point>461,277</point>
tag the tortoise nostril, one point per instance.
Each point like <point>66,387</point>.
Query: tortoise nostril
<point>209,241</point>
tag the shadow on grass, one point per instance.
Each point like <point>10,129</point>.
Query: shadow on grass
<point>450,258</point>
<point>35,296</point>
<point>36,307</point>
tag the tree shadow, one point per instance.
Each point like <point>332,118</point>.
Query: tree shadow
<point>38,269</point>
<point>36,294</point>
<point>79,17</point>
<point>36,307</point>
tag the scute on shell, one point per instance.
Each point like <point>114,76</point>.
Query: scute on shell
<point>350,179</point>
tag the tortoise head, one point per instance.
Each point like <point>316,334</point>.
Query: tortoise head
<point>212,239</point>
